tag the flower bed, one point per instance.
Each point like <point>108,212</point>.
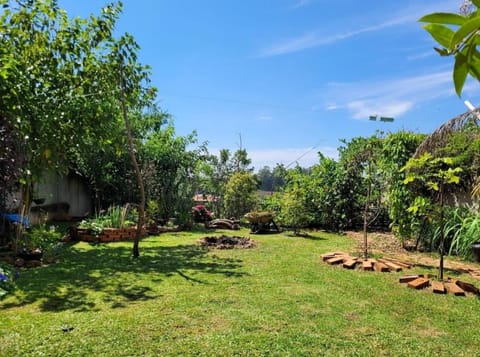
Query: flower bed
<point>107,234</point>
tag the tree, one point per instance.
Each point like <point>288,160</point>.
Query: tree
<point>240,194</point>
<point>371,156</point>
<point>215,173</point>
<point>435,174</point>
<point>170,168</point>
<point>56,83</point>
<point>10,161</point>
<point>397,149</point>
<point>265,179</point>
<point>359,182</point>
<point>324,191</point>
<point>294,210</point>
<point>272,180</point>
<point>64,80</point>
<point>458,35</point>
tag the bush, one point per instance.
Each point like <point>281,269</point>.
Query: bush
<point>465,231</point>
<point>201,214</point>
<point>7,282</point>
<point>41,237</point>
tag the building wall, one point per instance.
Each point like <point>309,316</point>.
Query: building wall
<point>69,189</point>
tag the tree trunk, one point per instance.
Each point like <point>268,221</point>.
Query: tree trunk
<point>365,218</point>
<point>442,235</point>
<point>131,149</point>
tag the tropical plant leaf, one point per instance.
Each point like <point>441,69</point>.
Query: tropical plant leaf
<point>440,33</point>
<point>460,72</point>
<point>464,31</point>
<point>444,18</point>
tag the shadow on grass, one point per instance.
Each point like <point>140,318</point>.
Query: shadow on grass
<point>108,273</point>
<point>304,235</point>
<point>446,271</point>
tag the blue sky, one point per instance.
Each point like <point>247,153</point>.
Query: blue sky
<point>291,77</point>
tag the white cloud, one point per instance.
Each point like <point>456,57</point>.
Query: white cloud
<point>387,97</point>
<point>316,38</point>
<point>362,109</point>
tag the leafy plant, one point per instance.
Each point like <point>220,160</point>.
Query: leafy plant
<point>458,36</point>
<point>294,212</point>
<point>152,212</point>
<point>240,194</point>
<point>41,237</point>
<point>115,217</point>
<point>201,214</point>
<point>434,173</point>
<point>466,231</point>
<point>7,282</point>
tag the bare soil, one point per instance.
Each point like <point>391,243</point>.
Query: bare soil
<point>227,242</point>
<point>387,245</point>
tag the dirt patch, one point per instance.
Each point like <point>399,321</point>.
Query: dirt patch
<point>385,243</point>
<point>389,246</point>
<point>227,242</point>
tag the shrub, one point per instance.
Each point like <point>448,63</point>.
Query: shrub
<point>7,282</point>
<point>201,214</point>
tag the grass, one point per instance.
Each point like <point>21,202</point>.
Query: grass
<point>180,299</point>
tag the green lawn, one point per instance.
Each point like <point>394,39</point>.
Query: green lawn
<point>275,299</point>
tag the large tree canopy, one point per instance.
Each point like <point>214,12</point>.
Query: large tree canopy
<point>60,81</point>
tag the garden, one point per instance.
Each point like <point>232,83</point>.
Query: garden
<point>182,251</point>
<point>180,298</point>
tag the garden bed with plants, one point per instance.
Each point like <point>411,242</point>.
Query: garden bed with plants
<point>116,224</point>
<point>107,234</point>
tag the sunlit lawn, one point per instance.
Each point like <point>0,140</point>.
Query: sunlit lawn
<point>180,299</point>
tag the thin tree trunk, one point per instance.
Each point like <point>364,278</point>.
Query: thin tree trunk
<point>365,218</point>
<point>442,235</point>
<point>131,149</point>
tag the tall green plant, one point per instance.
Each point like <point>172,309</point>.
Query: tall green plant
<point>294,212</point>
<point>465,232</point>
<point>240,194</point>
<point>397,149</point>
<point>435,174</point>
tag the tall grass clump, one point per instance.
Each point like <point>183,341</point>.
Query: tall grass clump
<point>465,231</point>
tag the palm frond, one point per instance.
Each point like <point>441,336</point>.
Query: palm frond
<point>439,138</point>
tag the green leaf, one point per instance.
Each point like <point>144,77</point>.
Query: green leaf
<point>475,65</point>
<point>433,185</point>
<point>476,3</point>
<point>409,178</point>
<point>444,18</point>
<point>442,34</point>
<point>453,179</point>
<point>442,51</point>
<point>464,31</point>
<point>460,72</point>
<point>412,209</point>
